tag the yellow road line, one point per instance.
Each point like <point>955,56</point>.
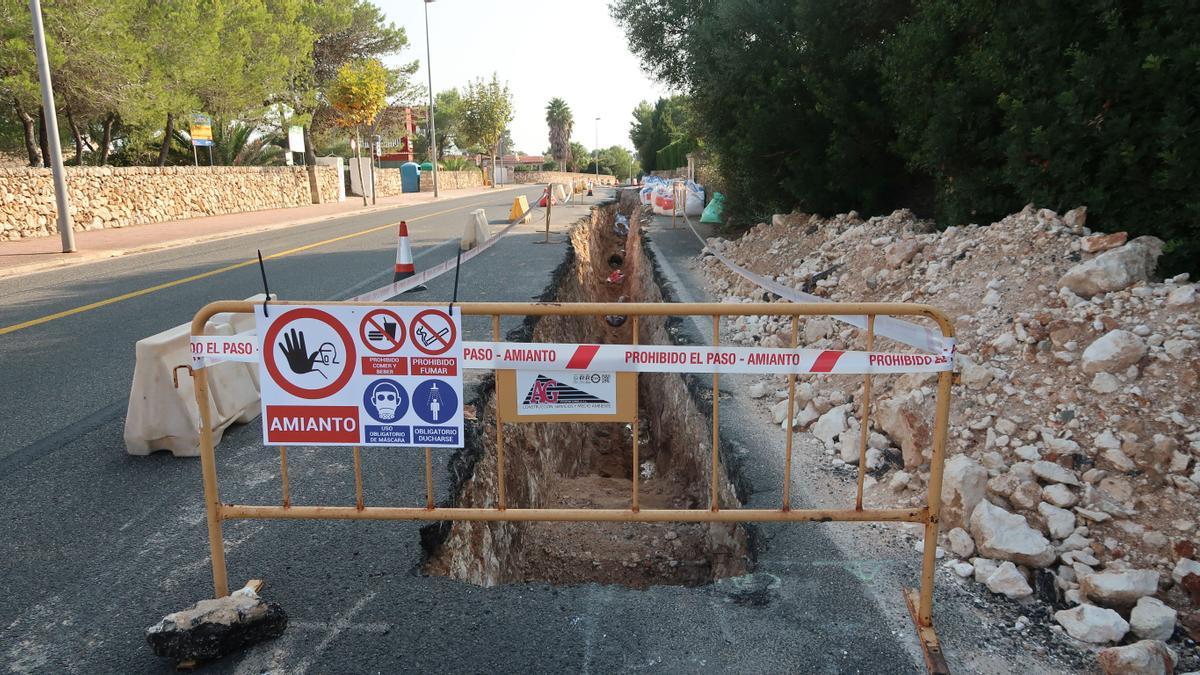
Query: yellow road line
<point>204,275</point>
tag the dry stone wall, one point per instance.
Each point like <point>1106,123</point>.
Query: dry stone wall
<point>560,177</point>
<point>107,197</point>
<point>452,180</point>
<point>387,182</point>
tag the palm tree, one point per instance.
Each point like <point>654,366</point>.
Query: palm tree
<point>558,117</point>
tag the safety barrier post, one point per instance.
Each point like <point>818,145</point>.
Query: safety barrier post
<point>934,498</point>
<point>283,476</point>
<point>716,395</point>
<point>499,429</point>
<point>428,479</point>
<point>208,468</point>
<point>358,490</point>
<point>634,426</point>
<point>866,420</point>
<point>791,422</point>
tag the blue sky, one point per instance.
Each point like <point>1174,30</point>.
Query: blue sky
<point>543,48</point>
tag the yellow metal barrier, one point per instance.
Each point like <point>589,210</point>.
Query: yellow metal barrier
<point>920,603</point>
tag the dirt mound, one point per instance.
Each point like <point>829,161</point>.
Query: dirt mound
<point>1078,398</point>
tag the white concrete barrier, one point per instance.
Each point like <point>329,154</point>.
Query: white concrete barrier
<point>163,417</point>
<point>234,385</point>
<point>477,231</point>
<point>560,192</point>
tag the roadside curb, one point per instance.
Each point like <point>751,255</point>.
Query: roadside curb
<point>85,257</point>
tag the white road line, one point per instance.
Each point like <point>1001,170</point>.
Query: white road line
<point>337,627</point>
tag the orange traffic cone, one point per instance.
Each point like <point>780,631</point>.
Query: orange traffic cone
<point>404,258</point>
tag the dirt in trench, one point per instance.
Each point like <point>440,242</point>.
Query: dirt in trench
<point>573,465</point>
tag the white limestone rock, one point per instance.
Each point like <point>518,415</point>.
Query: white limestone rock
<point>1059,495</point>
<point>1114,270</point>
<point>984,568</point>
<point>1054,473</point>
<point>1007,536</point>
<point>1093,624</point>
<point>1120,589</point>
<point>1148,657</point>
<point>1184,567</point>
<point>830,425</point>
<point>1060,522</point>
<point>1115,351</point>
<point>964,483</point>
<point>961,542</point>
<point>975,375</point>
<point>1008,581</point>
<point>1152,620</point>
<point>1182,296</point>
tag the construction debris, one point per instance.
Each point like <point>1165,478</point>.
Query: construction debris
<point>211,629</point>
<point>1074,441</point>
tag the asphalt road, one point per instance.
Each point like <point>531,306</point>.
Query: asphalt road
<point>98,545</point>
<point>67,376</point>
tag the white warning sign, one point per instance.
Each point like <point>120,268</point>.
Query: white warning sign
<point>354,375</point>
<point>566,393</point>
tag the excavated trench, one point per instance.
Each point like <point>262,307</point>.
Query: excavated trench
<point>578,465</point>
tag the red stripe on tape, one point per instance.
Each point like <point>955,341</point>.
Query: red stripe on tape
<point>582,357</point>
<point>826,361</point>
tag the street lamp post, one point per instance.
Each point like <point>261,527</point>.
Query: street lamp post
<point>432,122</point>
<point>65,232</point>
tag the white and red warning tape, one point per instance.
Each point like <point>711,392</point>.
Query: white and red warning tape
<point>904,332</point>
<point>210,349</point>
<point>693,359</point>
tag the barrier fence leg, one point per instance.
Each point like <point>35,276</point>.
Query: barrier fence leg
<point>212,499</point>
<point>358,491</point>
<point>920,604</point>
<point>716,435</point>
<point>499,431</point>
<point>428,479</point>
<point>283,476</point>
<point>864,431</point>
<point>787,462</point>
<point>634,427</point>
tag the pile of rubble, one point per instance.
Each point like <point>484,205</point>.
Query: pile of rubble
<point>1072,472</point>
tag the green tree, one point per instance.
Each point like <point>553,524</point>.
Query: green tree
<point>357,94</point>
<point>344,31</point>
<point>223,59</point>
<point>1005,103</point>
<point>640,132</point>
<point>96,63</point>
<point>561,123</point>
<point>580,157</point>
<point>786,93</point>
<point>655,127</point>
<point>487,112</point>
<point>613,161</point>
<point>18,73</point>
<point>617,161</point>
<point>448,113</point>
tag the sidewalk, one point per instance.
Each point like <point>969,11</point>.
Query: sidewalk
<point>26,256</point>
